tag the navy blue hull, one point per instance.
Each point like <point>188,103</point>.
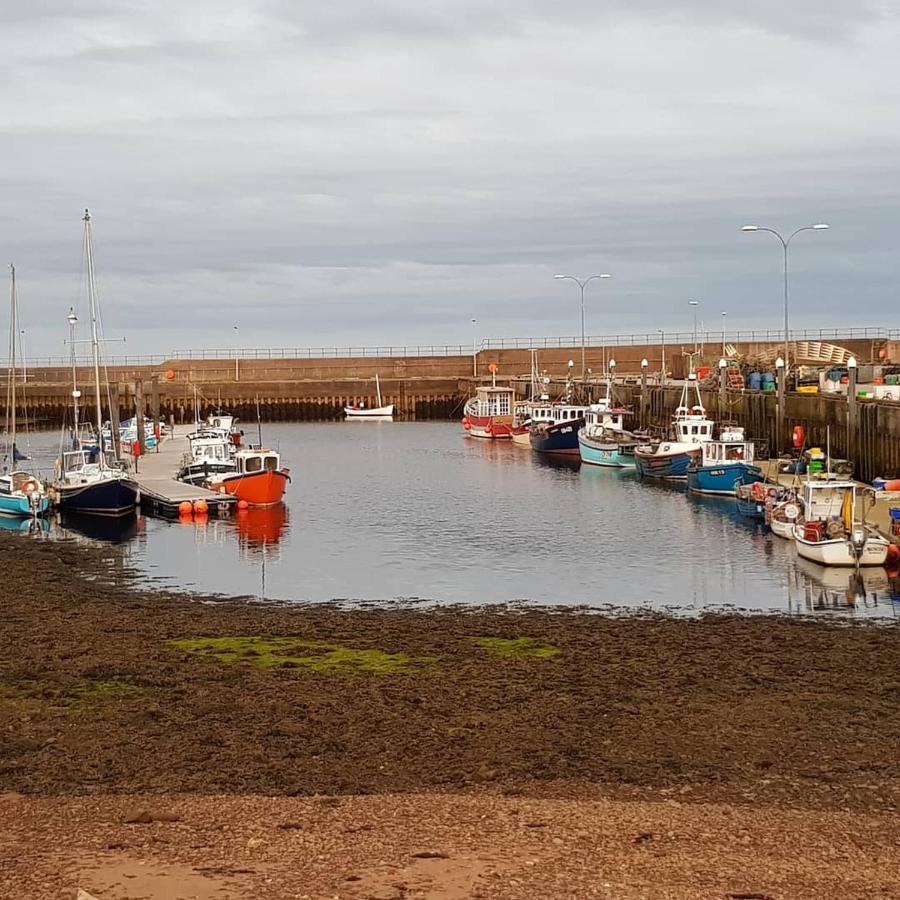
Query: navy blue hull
<point>560,439</point>
<point>116,497</point>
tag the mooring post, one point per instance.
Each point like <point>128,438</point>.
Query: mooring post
<point>114,419</point>
<point>154,409</point>
<point>139,415</point>
<point>781,372</point>
<point>852,408</point>
<point>644,365</point>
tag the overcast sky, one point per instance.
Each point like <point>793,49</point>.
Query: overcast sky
<point>373,172</point>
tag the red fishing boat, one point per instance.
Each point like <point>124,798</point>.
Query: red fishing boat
<point>490,413</point>
<point>258,477</point>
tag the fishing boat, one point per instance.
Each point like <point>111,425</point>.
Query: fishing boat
<point>211,453</point>
<point>723,464</point>
<point>603,440</point>
<point>830,533</point>
<point>22,495</point>
<point>226,423</point>
<point>670,459</point>
<point>257,477</point>
<point>93,480</point>
<point>554,428</point>
<point>489,414</point>
<point>782,515</point>
<point>379,411</point>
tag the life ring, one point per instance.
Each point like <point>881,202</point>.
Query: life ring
<point>798,437</point>
<point>791,511</point>
<point>30,486</point>
<point>758,491</point>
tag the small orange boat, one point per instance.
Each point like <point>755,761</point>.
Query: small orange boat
<point>258,477</point>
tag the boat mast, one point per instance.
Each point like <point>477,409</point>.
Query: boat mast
<point>72,319</point>
<point>13,331</point>
<point>95,339</point>
<point>378,389</point>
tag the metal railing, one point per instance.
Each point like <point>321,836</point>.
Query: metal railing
<point>645,338</point>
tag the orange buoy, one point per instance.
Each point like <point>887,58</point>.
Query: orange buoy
<point>200,507</point>
<point>170,374</point>
<point>243,504</point>
<point>492,368</point>
<point>798,437</point>
<point>892,485</point>
<point>185,508</point>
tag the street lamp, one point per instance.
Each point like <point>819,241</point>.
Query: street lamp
<point>695,304</point>
<point>724,314</point>
<point>785,242</point>
<point>474,350</point>
<point>583,283</point>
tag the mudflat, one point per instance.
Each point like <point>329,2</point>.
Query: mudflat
<point>728,736</point>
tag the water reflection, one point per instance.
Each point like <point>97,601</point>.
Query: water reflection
<point>24,526</point>
<point>106,529</point>
<point>418,512</point>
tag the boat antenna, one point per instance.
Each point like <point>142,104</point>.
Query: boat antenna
<point>258,421</point>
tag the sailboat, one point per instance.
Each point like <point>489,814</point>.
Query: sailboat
<point>92,480</point>
<point>380,411</point>
<point>21,494</point>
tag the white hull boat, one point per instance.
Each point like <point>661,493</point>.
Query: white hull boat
<point>842,551</point>
<point>379,411</point>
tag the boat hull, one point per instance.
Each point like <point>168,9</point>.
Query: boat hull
<point>604,453</point>
<point>671,463</point>
<point>782,529</point>
<point>491,428</point>
<point>520,436</point>
<point>722,479</point>
<point>256,488</point>
<point>839,552</point>
<point>560,439</point>
<point>20,507</point>
<point>375,412</point>
<point>110,497</point>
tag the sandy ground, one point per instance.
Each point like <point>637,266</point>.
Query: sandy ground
<point>401,754</point>
<point>416,846</point>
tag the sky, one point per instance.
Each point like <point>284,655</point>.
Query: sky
<point>297,174</point>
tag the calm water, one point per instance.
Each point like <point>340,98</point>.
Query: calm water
<point>418,513</point>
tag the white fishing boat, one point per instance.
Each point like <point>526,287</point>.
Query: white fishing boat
<point>379,411</point>
<point>211,453</point>
<point>830,533</point>
<point>783,515</point>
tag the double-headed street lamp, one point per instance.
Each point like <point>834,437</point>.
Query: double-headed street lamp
<point>583,283</point>
<point>785,242</point>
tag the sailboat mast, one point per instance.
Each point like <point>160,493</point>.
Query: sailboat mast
<point>73,320</point>
<point>95,338</point>
<point>13,331</point>
<point>378,389</point>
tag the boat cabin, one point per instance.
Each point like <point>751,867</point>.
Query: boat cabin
<point>729,449</point>
<point>493,402</point>
<point>256,459</point>
<point>824,500</point>
<point>15,482</point>
<point>692,426</point>
<point>553,413</point>
<point>207,446</point>
<point>80,464</point>
<point>601,415</point>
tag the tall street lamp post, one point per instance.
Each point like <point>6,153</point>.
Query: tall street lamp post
<point>583,283</point>
<point>474,350</point>
<point>724,314</point>
<point>785,243</point>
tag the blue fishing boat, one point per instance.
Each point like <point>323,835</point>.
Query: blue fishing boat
<point>670,459</point>
<point>750,498</point>
<point>22,495</point>
<point>723,464</point>
<point>603,440</point>
<point>554,428</point>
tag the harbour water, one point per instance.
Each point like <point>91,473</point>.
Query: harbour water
<point>382,512</point>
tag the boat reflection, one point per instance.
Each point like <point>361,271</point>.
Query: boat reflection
<point>818,588</point>
<point>106,529</point>
<point>261,527</point>
<point>25,526</point>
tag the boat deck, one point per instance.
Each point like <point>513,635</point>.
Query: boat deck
<point>161,492</point>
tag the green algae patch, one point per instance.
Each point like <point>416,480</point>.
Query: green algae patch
<point>291,653</point>
<point>517,648</point>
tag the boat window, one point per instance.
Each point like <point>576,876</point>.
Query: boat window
<point>271,463</point>
<point>693,429</point>
<point>253,464</point>
<point>503,404</point>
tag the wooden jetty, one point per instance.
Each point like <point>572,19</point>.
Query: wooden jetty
<point>161,492</point>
